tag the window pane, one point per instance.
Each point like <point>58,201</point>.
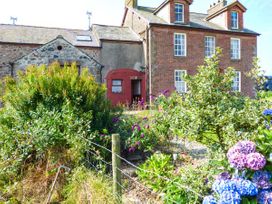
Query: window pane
<point>234,19</point>
<point>180,84</point>
<point>179,9</point>
<point>236,81</point>
<point>179,46</point>
<point>116,86</point>
<point>116,89</point>
<point>116,82</point>
<point>209,46</point>
<point>235,49</point>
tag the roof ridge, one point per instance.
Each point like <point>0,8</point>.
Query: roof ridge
<point>32,26</point>
<point>116,26</point>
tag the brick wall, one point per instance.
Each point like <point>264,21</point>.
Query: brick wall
<point>164,62</point>
<point>240,17</point>
<point>186,11</point>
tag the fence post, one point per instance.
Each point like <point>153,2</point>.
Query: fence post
<point>116,165</point>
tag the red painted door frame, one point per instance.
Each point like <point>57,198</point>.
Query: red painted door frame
<point>126,76</point>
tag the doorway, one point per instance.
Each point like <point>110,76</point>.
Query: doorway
<point>136,90</point>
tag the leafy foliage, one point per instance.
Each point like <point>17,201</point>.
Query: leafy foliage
<point>154,169</point>
<point>210,111</point>
<point>48,108</point>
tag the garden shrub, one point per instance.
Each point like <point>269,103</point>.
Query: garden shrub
<point>136,133</point>
<point>50,108</point>
<point>156,167</point>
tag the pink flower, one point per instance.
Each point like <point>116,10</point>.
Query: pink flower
<point>237,160</point>
<point>255,161</point>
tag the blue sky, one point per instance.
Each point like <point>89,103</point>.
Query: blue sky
<point>72,14</point>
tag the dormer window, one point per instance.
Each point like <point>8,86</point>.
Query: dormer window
<point>179,13</point>
<point>234,20</point>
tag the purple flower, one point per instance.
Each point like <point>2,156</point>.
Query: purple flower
<point>138,143</point>
<point>224,176</point>
<point>209,200</point>
<point>262,179</point>
<point>233,150</point>
<point>142,135</point>
<point>136,126</point>
<point>229,197</point>
<point>115,119</point>
<point>145,118</point>
<point>255,161</point>
<point>165,92</point>
<point>141,102</point>
<point>147,127</point>
<point>131,149</point>
<point>246,147</point>
<point>237,160</point>
<point>267,112</point>
<point>264,197</point>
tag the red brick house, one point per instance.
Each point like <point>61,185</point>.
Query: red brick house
<point>176,41</point>
<point>150,52</point>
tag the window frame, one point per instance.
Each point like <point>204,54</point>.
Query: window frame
<point>175,81</point>
<point>112,85</point>
<point>239,82</point>
<point>213,49</point>
<point>239,50</point>
<point>184,53</point>
<point>181,13</point>
<point>237,20</point>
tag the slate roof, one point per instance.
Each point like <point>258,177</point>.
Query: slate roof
<point>41,35</point>
<point>197,20</point>
<point>105,32</point>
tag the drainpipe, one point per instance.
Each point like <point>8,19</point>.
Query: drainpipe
<point>11,64</point>
<point>149,64</point>
<point>101,77</point>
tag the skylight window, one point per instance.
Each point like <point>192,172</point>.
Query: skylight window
<point>85,38</point>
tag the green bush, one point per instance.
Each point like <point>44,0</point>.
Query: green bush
<point>51,108</point>
<point>210,112</point>
<point>155,170</point>
<point>136,133</point>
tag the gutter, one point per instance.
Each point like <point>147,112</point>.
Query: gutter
<point>205,29</point>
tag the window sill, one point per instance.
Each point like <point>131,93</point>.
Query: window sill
<point>235,60</point>
<point>180,56</point>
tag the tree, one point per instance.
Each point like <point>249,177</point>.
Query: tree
<point>211,112</point>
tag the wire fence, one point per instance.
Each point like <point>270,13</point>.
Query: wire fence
<point>90,162</point>
<point>134,180</point>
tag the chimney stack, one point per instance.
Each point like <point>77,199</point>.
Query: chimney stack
<point>131,3</point>
<point>217,6</point>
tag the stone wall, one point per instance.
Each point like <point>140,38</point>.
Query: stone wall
<point>10,52</point>
<point>57,50</point>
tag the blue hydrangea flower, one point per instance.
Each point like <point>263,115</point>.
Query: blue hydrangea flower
<point>245,187</point>
<point>219,186</point>
<point>209,200</point>
<point>262,179</point>
<point>267,112</point>
<point>230,197</point>
<point>264,197</point>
